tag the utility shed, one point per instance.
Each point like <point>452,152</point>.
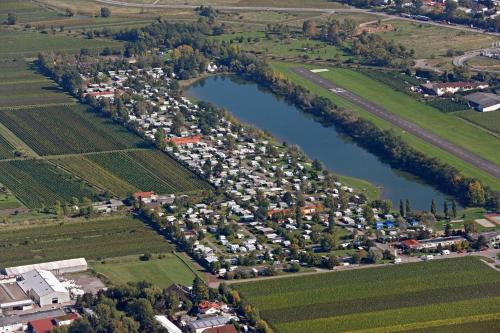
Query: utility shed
<point>484,102</point>
<point>58,267</point>
<point>43,287</point>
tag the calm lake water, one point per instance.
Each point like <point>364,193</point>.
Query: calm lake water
<point>253,105</point>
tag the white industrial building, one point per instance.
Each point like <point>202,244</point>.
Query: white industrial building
<point>167,324</point>
<point>57,267</point>
<point>43,287</point>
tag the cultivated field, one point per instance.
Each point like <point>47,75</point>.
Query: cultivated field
<point>55,130</point>
<point>93,239</point>
<point>488,120</point>
<point>15,94</point>
<point>160,272</point>
<point>148,170</point>
<point>37,183</point>
<point>6,149</point>
<point>418,296</point>
<point>18,44</point>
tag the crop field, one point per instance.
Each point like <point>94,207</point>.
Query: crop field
<point>37,183</point>
<point>488,120</point>
<point>94,239</point>
<point>54,130</point>
<point>384,299</point>
<point>6,149</point>
<point>148,170</point>
<point>160,272</point>
<point>96,175</point>
<point>20,93</point>
<point>16,44</point>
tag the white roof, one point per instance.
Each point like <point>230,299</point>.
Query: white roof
<point>49,266</point>
<point>171,328</point>
<point>41,282</point>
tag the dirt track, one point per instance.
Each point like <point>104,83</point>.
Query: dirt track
<point>406,125</point>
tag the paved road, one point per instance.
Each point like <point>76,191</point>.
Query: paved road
<point>406,125</point>
<point>155,4</point>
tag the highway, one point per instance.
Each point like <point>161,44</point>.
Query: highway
<point>405,125</point>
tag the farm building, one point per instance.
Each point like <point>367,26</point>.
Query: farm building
<point>201,325</point>
<point>57,267</point>
<point>167,324</point>
<point>43,287</point>
<point>441,89</point>
<point>484,102</point>
<point>12,297</point>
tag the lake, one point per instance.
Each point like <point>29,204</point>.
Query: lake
<point>253,105</point>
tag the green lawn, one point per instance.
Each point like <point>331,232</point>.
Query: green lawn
<point>383,299</point>
<point>160,272</point>
<point>371,191</point>
<point>415,142</point>
<point>444,125</point>
<point>8,201</point>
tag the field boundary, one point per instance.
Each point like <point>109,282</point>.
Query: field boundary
<point>16,142</point>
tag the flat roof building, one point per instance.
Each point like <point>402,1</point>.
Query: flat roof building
<point>58,267</point>
<point>12,297</point>
<point>484,102</point>
<point>43,287</point>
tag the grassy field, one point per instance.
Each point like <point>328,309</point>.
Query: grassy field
<point>148,170</point>
<point>8,201</point>
<point>487,120</point>
<point>385,299</point>
<point>416,143</point>
<point>438,40</point>
<point>160,272</point>
<point>93,239</point>
<point>446,126</point>
<point>37,183</point>
<point>55,130</point>
<point>26,11</point>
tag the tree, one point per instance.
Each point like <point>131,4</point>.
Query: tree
<point>105,12</point>
<point>445,209</point>
<point>262,327</point>
<point>470,227</point>
<point>453,208</point>
<point>428,220</point>
<point>447,230</point>
<point>11,19</point>
<point>402,211</point>
<point>418,5</point>
<point>433,207</point>
<point>374,255</point>
<point>481,242</point>
<point>368,214</point>
<point>200,289</point>
<point>309,28</point>
<point>475,193</point>
<point>407,207</point>
<point>450,8</point>
<point>80,326</point>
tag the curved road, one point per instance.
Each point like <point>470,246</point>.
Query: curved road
<point>406,125</point>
